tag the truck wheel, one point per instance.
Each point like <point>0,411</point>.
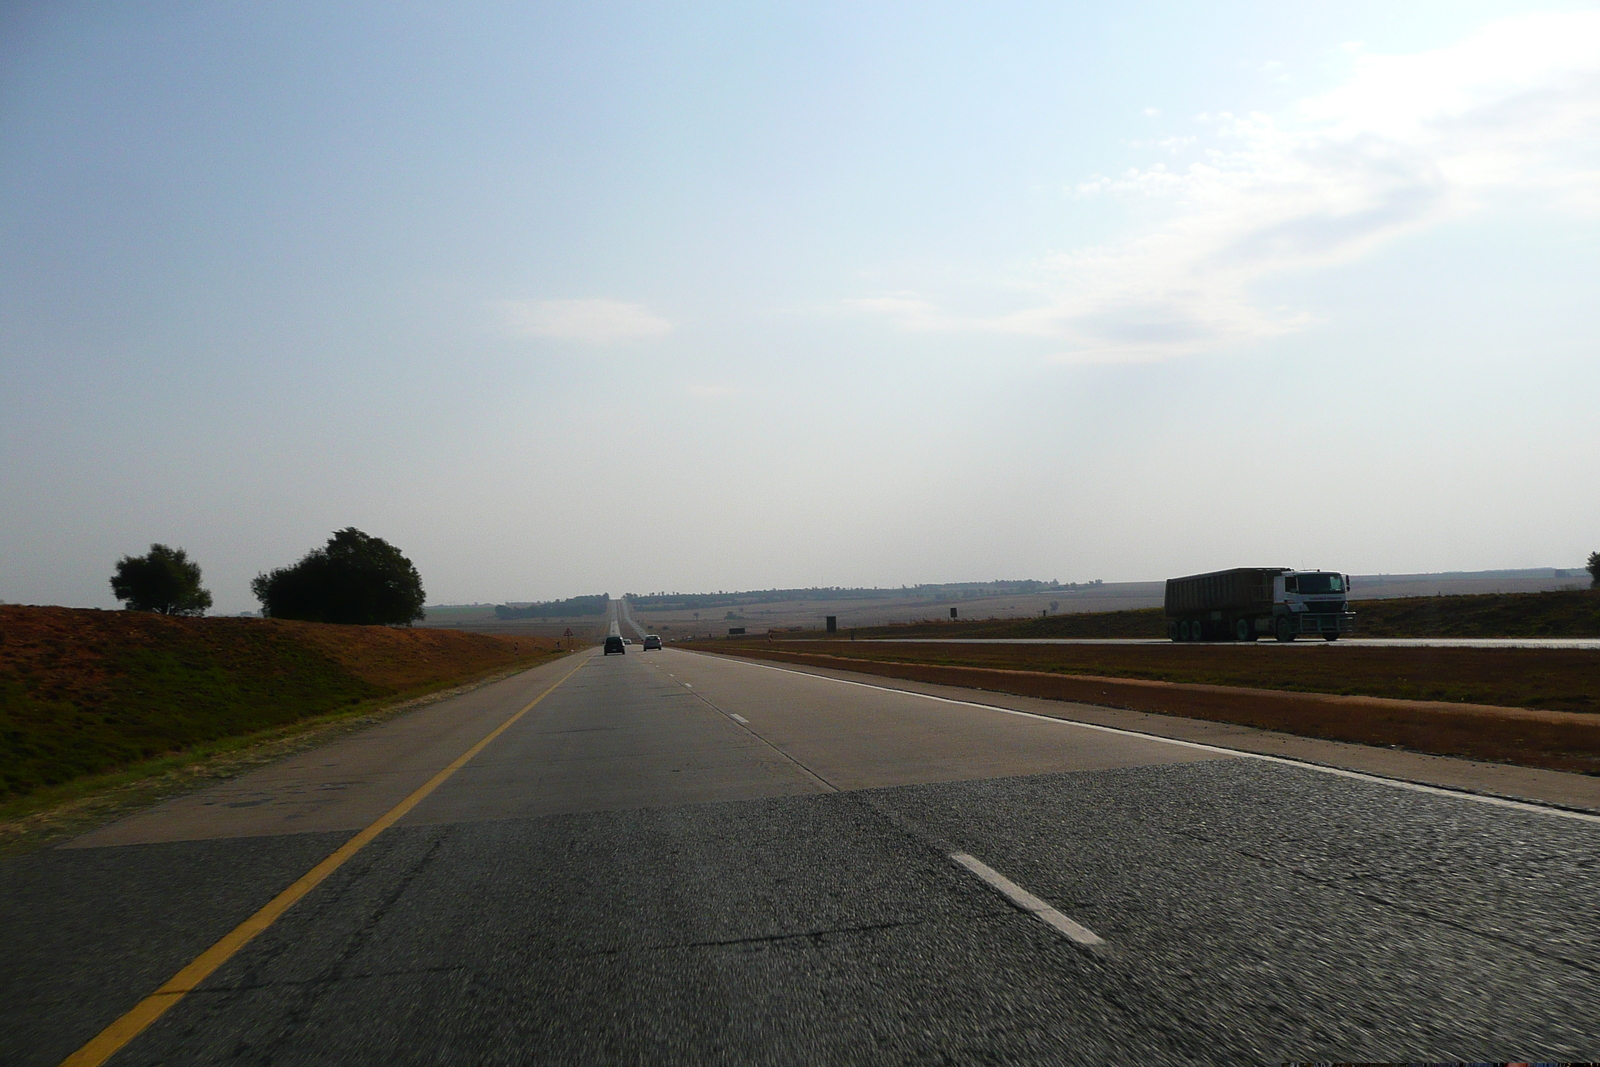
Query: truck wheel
<point>1183,630</point>
<point>1285,629</point>
<point>1242,630</point>
<point>1330,637</point>
<point>1172,630</point>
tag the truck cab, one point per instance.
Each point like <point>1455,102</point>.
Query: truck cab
<point>1313,603</point>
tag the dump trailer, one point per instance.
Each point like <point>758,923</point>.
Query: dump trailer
<point>1246,602</point>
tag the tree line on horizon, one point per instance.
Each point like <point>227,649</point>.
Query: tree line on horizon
<point>354,579</point>
<point>577,605</point>
<point>932,591</point>
<point>363,580</point>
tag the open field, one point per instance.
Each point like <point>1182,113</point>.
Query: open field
<point>854,612</point>
<point>1469,583</point>
<point>1558,614</point>
<point>1549,614</point>
<point>88,692</point>
<point>911,605</point>
<point>480,618</point>
<point>1105,601</point>
<point>1524,706</point>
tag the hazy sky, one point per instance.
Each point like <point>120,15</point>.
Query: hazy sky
<point>570,298</point>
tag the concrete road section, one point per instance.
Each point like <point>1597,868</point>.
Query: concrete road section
<point>675,858</point>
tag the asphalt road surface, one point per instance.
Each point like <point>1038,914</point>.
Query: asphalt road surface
<point>1301,642</point>
<point>678,859</point>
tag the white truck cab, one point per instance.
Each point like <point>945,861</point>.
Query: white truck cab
<point>1311,602</point>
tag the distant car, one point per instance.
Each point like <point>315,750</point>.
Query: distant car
<point>614,644</point>
<point>627,640</point>
<point>651,641</point>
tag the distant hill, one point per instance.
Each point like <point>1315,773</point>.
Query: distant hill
<point>1457,583</point>
<point>1079,596</point>
<point>761,610</point>
<point>556,609</point>
<point>949,591</point>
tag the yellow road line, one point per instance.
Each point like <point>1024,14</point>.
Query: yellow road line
<point>106,1043</point>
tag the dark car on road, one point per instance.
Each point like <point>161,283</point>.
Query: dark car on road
<point>651,641</point>
<point>614,644</point>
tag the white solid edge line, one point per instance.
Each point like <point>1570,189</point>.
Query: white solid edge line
<point>1026,901</point>
<point>1340,772</point>
<point>741,718</point>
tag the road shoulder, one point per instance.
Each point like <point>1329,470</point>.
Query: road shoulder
<point>220,765</point>
<point>1558,788</point>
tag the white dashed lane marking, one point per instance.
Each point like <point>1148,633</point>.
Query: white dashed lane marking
<point>1027,902</point>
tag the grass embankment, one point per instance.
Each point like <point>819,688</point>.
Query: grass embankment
<point>84,693</point>
<point>1573,613</point>
<point>1564,614</point>
<point>1530,706</point>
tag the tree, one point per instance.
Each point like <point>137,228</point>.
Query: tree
<point>164,580</point>
<point>1593,568</point>
<point>355,578</point>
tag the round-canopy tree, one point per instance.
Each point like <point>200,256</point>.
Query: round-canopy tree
<point>164,580</point>
<point>354,578</point>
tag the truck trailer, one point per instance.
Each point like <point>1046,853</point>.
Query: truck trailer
<point>1246,602</point>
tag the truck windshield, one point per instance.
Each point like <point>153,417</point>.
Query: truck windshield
<point>1320,583</point>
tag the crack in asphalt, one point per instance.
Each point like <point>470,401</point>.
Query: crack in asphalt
<point>1420,912</point>
<point>334,976</point>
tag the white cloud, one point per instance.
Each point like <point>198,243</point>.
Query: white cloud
<point>590,322</point>
<point>1405,143</point>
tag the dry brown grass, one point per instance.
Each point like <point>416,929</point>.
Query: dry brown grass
<point>88,692</point>
<point>401,659</point>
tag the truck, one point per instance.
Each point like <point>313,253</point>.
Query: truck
<point>1246,602</point>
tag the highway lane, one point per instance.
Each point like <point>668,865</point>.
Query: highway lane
<point>625,617</point>
<point>676,858</point>
<point>1303,642</point>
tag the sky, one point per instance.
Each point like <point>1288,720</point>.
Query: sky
<point>570,298</point>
